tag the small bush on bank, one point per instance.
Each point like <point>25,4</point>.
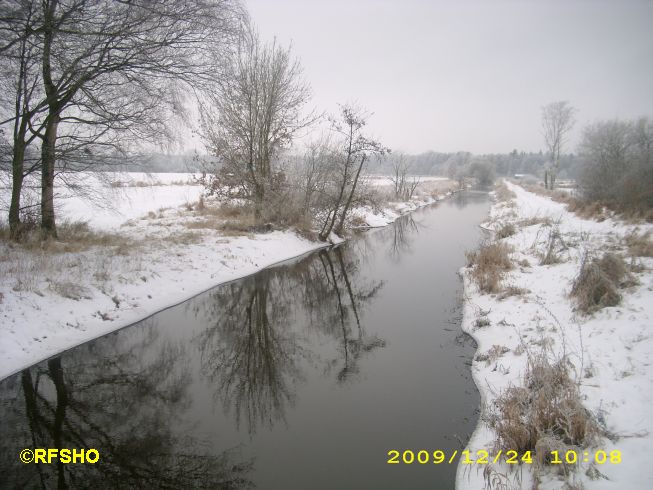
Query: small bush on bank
<point>505,231</point>
<point>597,283</point>
<point>546,412</point>
<point>488,264</point>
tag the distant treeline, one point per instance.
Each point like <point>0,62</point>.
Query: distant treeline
<point>503,164</point>
<point>427,163</point>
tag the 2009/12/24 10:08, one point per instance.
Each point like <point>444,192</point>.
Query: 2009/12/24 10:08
<point>511,457</point>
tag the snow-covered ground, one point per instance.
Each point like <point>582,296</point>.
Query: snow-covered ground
<point>159,253</point>
<point>610,351</point>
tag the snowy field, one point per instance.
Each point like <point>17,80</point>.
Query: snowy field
<point>610,351</point>
<point>160,250</point>
<point>110,198</point>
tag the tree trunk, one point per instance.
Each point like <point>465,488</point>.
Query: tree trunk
<point>258,202</point>
<point>48,157</point>
<point>341,223</point>
<point>328,225</point>
<point>16,188</point>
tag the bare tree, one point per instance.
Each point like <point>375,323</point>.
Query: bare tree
<point>103,64</point>
<point>404,188</point>
<point>20,101</point>
<point>354,150</point>
<point>557,122</point>
<point>253,111</point>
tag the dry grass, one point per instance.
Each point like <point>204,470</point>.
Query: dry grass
<point>536,220</point>
<point>70,290</point>
<point>512,291</point>
<point>597,283</point>
<point>358,221</point>
<point>494,353</point>
<point>503,194</point>
<point>639,245</point>
<point>72,236</point>
<point>546,414</point>
<point>184,238</point>
<point>505,231</point>
<point>488,264</point>
<point>595,210</point>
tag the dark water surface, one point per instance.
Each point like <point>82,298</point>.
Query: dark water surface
<point>302,376</point>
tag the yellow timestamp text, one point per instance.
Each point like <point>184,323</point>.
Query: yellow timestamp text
<point>423,456</point>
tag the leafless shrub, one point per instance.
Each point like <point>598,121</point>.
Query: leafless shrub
<point>554,243</point>
<point>597,283</point>
<point>488,264</point>
<point>546,412</point>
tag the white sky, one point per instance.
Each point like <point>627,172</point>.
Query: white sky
<point>469,75</point>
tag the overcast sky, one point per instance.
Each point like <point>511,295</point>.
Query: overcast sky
<point>469,75</point>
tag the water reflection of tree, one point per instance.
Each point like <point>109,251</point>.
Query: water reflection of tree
<point>247,351</point>
<point>253,348</point>
<point>128,404</point>
<point>402,231</point>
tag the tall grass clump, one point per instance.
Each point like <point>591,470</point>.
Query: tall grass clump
<point>503,194</point>
<point>488,264</point>
<point>639,245</point>
<point>598,281</point>
<point>546,414</point>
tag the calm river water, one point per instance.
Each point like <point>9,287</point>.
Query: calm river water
<point>303,376</point>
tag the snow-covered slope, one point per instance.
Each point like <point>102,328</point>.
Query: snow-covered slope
<point>610,351</point>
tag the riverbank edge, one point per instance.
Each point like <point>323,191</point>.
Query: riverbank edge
<point>101,327</point>
<point>623,417</point>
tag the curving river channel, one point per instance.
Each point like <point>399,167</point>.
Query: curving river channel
<point>303,376</point>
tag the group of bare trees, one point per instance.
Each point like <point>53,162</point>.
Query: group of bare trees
<point>253,113</point>
<point>617,157</point>
<point>85,80</point>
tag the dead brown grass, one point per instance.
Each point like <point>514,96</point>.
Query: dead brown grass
<point>494,353</point>
<point>506,231</point>
<point>488,264</point>
<point>597,283</point>
<point>546,412</point>
<point>639,245</point>
<point>72,236</point>
<point>502,193</point>
<point>184,238</point>
<point>536,220</point>
<point>512,291</point>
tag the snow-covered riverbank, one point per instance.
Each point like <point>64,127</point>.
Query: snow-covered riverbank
<point>165,252</point>
<point>609,352</point>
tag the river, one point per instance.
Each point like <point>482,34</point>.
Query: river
<point>302,376</point>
